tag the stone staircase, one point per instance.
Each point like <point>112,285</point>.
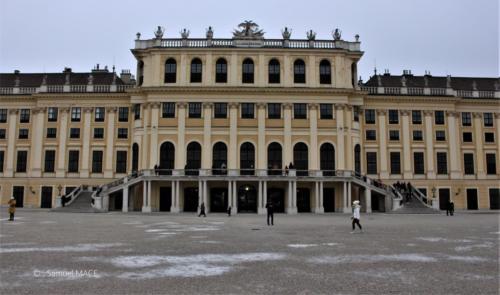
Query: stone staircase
<point>81,204</point>
<point>415,206</point>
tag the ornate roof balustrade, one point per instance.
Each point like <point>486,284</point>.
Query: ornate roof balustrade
<point>419,91</point>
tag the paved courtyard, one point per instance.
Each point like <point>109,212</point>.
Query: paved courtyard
<point>44,252</point>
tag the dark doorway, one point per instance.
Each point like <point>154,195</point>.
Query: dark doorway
<point>494,198</point>
<point>46,199</point>
<point>444,198</point>
<point>191,199</point>
<point>327,159</point>
<point>167,158</point>
<point>378,202</point>
<point>472,199</point>
<point>247,159</point>
<point>247,199</point>
<point>135,157</point>
<point>301,159</point>
<point>165,198</point>
<point>303,200</point>
<point>18,194</point>
<point>277,197</point>
<point>116,201</point>
<point>329,199</point>
<point>218,199</point>
<point>219,159</point>
<point>274,159</point>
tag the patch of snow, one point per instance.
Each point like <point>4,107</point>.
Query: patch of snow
<point>466,258</point>
<point>470,247</point>
<point>209,242</point>
<point>167,233</point>
<point>198,237</point>
<point>301,245</point>
<point>186,271</point>
<point>371,258</point>
<point>330,244</point>
<point>432,239</point>
<point>411,245</point>
<point>75,248</point>
<point>155,230</point>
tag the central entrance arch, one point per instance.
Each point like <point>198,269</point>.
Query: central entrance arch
<point>247,159</point>
<point>274,159</point>
<point>301,159</point>
<point>193,163</point>
<point>247,199</point>
<point>327,159</point>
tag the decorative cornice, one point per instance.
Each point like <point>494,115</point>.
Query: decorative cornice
<point>182,105</point>
<point>496,115</point>
<point>313,106</point>
<point>340,107</point>
<point>381,112</point>
<point>428,113</point>
<point>477,115</point>
<point>233,105</point>
<point>452,114</point>
<point>155,105</point>
<point>111,109</point>
<point>88,109</point>
<point>38,110</point>
<point>261,105</point>
<point>207,105</point>
<point>405,112</point>
<point>287,106</point>
<point>13,111</point>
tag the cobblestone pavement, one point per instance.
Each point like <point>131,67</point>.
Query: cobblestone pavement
<point>45,252</point>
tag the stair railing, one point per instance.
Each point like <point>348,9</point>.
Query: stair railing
<point>70,197</point>
<point>417,194</point>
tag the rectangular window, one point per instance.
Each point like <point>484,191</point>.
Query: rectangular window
<point>195,110</point>
<point>2,133</point>
<point>488,119</point>
<point>121,162</point>
<point>439,117</point>
<point>98,133</point>
<point>22,161</point>
<point>76,114</point>
<point>137,112</point>
<point>417,135</point>
<point>489,137</point>
<point>440,135</point>
<point>99,114</point>
<point>74,133</point>
<point>50,159</point>
<point>299,111</point>
<point>23,133</point>
<point>73,159</point>
<point>442,163</point>
<point>466,119</point>
<point>395,163</point>
<point>220,110</point>
<point>416,117</point>
<point>3,115</point>
<point>24,116</point>
<point>247,111</point>
<point>494,198</point>
<point>418,163</point>
<point>123,114</point>
<point>96,161</point>
<point>52,114</point>
<point>51,132</point>
<point>467,137</point>
<point>469,164</point>
<point>491,164</point>
<point>274,110</point>
<point>2,158</point>
<point>371,162</point>
<point>371,135</point>
<point>394,135</point>
<point>326,111</point>
<point>393,117</point>
<point>369,116</point>
<point>168,110</point>
<point>122,133</point>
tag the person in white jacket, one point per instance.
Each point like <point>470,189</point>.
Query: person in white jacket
<point>356,216</point>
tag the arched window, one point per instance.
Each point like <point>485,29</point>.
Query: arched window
<point>327,159</point>
<point>193,158</point>
<point>221,71</point>
<point>274,158</point>
<point>357,159</point>
<point>170,71</point>
<point>247,159</point>
<point>325,72</point>
<point>299,71</point>
<point>135,157</point>
<point>167,158</point>
<point>247,71</point>
<point>219,159</point>
<point>354,74</point>
<point>196,69</point>
<point>301,159</point>
<point>274,71</point>
<point>140,73</point>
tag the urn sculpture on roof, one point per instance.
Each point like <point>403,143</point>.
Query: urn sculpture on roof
<point>248,30</point>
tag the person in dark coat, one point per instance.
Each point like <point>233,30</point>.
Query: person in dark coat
<point>229,211</point>
<point>202,210</point>
<point>270,213</point>
<point>451,208</point>
<point>12,208</point>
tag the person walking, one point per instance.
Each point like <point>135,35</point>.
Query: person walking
<point>270,213</point>
<point>12,208</point>
<point>356,216</point>
<point>229,211</point>
<point>450,208</point>
<point>202,210</point>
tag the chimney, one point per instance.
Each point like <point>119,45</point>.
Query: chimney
<point>126,76</point>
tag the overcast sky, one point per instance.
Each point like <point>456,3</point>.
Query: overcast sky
<point>457,37</point>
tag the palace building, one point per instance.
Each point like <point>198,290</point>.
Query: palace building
<point>244,121</point>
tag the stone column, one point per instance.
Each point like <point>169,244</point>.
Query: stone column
<point>180,149</point>
<point>287,136</point>
<point>205,196</point>
<point>110,138</point>
<point>344,197</point>
<point>37,142</point>
<point>146,127</point>
<point>382,124</point>
<point>313,137</point>
<point>235,197</point>
<point>63,138</point>
<point>348,141</point>
<point>316,197</point>
<point>368,200</point>
<point>349,196</point>
<point>261,142</point>
<point>125,199</point>
<point>478,138</point>
<point>265,196</point>
<point>174,208</point>
<point>177,197</point>
<point>155,117</point>
<point>429,144</point>
<point>321,208</point>
<point>144,196</point>
<point>207,140</point>
<point>11,143</point>
<point>233,136</point>
<point>339,117</point>
<point>454,145</point>
<point>230,194</point>
<point>87,118</point>
<point>294,197</point>
<point>149,196</point>
<point>289,207</point>
<point>259,199</point>
<point>407,172</point>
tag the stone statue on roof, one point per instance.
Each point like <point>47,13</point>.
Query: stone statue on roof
<point>185,33</point>
<point>337,35</point>
<point>159,32</point>
<point>286,33</point>
<point>210,33</point>
<point>311,35</point>
<point>248,30</point>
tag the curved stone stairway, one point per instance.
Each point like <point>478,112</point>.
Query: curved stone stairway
<point>81,204</point>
